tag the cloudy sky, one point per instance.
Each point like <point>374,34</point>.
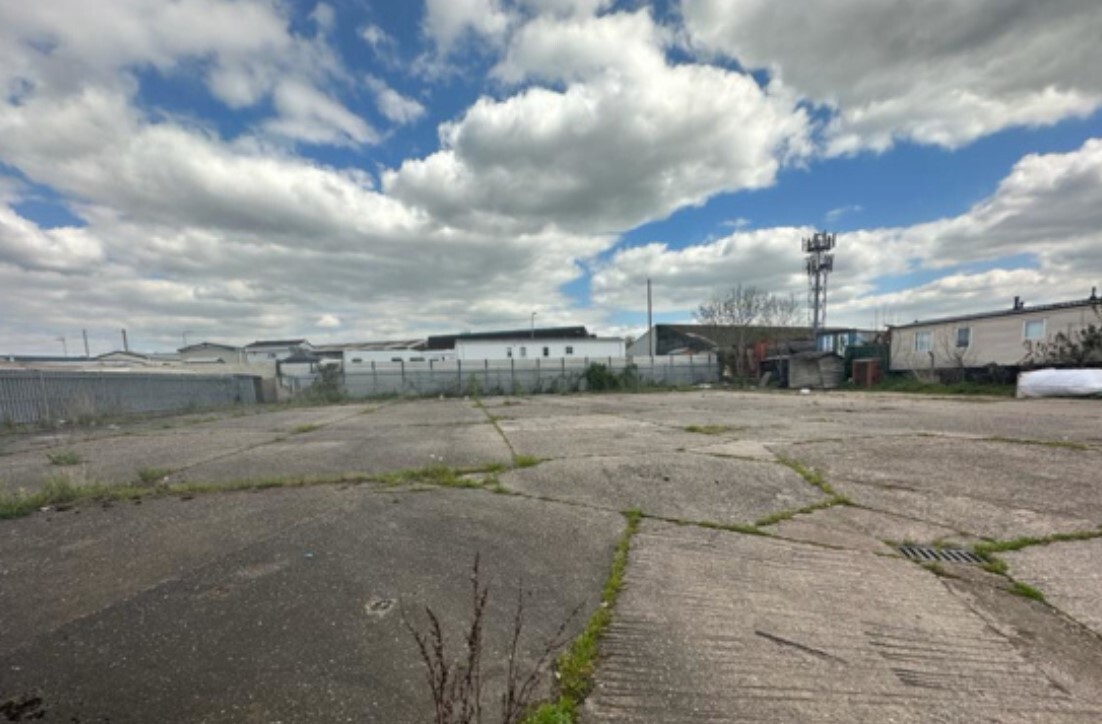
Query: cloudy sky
<point>371,169</point>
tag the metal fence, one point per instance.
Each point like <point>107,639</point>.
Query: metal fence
<point>515,376</point>
<point>29,396</point>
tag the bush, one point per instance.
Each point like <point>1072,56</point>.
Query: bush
<point>599,378</point>
<point>327,386</point>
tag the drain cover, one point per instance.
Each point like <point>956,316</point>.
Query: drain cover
<point>927,554</point>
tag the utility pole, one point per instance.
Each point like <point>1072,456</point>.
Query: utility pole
<point>820,263</point>
<point>125,344</point>
<point>87,354</point>
<point>186,333</point>
<point>533,325</point>
<point>64,346</point>
<point>650,321</point>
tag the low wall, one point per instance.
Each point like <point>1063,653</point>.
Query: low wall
<point>32,396</point>
<point>517,376</point>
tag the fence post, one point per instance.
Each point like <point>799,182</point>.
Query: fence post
<point>539,384</point>
<point>486,374</point>
<point>459,368</point>
<point>403,363</point>
<point>45,395</point>
<point>692,371</point>
<point>512,375</point>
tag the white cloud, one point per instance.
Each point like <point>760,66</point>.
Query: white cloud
<point>1046,207</point>
<point>324,16</point>
<point>306,114</point>
<point>835,214</point>
<point>447,22</point>
<point>381,42</point>
<point>616,147</point>
<point>393,105</point>
<point>246,49</point>
<point>328,321</point>
<point>943,72</point>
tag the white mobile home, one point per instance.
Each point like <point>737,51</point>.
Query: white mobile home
<point>537,348</point>
<point>1009,337</point>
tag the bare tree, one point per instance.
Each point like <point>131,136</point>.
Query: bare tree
<point>744,306</point>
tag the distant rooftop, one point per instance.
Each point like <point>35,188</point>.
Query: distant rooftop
<point>447,341</point>
<point>275,343</point>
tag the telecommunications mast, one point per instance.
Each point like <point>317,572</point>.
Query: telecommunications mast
<point>820,263</point>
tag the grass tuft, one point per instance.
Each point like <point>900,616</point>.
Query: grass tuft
<point>308,427</point>
<point>64,457</point>
<point>149,476</point>
<point>525,461</point>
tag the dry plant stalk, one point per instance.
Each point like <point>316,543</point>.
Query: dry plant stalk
<point>456,687</point>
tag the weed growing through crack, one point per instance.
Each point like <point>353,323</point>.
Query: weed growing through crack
<point>811,475</point>
<point>1058,444</point>
<point>1026,591</point>
<point>576,666</point>
<point>784,515</point>
<point>710,429</point>
<point>64,457</point>
<point>308,427</point>
<point>525,461</point>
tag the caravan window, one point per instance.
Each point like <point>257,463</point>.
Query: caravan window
<point>923,342</point>
<point>1034,330</point>
<point>357,360</point>
<point>964,337</point>
<point>570,350</point>
<point>546,351</point>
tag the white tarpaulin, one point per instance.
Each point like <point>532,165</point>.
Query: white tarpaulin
<point>1060,383</point>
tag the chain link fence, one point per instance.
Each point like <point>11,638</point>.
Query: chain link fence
<point>36,396</point>
<point>512,377</point>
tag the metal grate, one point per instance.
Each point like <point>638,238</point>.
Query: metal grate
<point>928,554</point>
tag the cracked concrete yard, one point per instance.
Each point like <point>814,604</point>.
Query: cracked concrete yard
<point>762,584</point>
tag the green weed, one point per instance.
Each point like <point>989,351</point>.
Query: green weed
<point>64,457</point>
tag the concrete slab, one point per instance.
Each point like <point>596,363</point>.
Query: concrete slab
<point>370,450</point>
<point>752,449</point>
<point>679,486</point>
<point>287,622</point>
<point>996,489</point>
<point>1068,574</point>
<point>719,627</point>
<point>118,459</point>
<point>861,529</point>
<point>449,411</point>
<point>588,435</point>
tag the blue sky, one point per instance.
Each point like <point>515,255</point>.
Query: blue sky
<point>352,170</point>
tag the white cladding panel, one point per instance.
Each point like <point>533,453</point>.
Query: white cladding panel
<point>580,348</point>
<point>360,357</point>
